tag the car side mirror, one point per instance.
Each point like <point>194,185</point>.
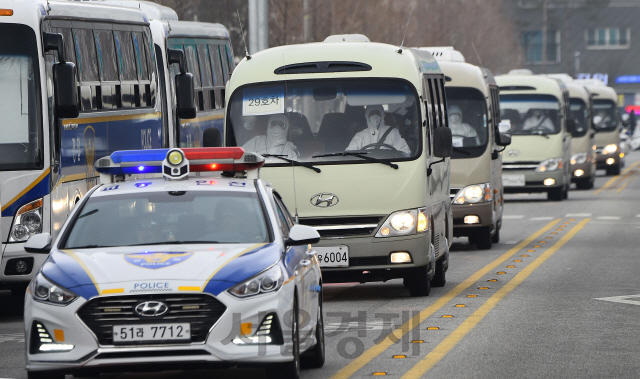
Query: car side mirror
<point>302,235</point>
<point>442,142</point>
<point>39,244</point>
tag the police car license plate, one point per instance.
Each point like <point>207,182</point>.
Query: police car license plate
<point>513,180</point>
<point>337,256</point>
<point>151,332</point>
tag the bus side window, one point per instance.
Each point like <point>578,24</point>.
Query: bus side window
<point>427,102</point>
<point>434,110</point>
<point>232,65</point>
<point>108,68</point>
<point>127,63</point>
<point>142,96</point>
<point>194,68</point>
<point>223,60</point>
<point>88,70</point>
<point>218,79</point>
<point>151,62</point>
<point>443,103</point>
<point>208,92</point>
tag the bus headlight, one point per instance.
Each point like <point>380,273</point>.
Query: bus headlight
<point>475,193</point>
<point>552,164</point>
<point>27,222</point>
<point>45,291</point>
<point>403,223</point>
<point>610,149</point>
<point>579,158</point>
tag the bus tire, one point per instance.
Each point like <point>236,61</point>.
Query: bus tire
<point>556,194</point>
<point>440,277</point>
<point>613,170</point>
<point>482,238</point>
<point>496,236</point>
<point>418,283</point>
<point>584,183</point>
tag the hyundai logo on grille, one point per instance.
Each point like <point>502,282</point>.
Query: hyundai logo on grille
<point>324,200</point>
<point>151,308</point>
<point>513,153</point>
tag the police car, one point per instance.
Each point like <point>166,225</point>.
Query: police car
<point>187,271</point>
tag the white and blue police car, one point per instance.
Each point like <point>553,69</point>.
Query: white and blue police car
<point>188,270</point>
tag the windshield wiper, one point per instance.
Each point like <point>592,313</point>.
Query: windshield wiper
<point>359,154</point>
<point>540,133</point>
<point>295,163</point>
<point>86,247</point>
<point>459,150</point>
<point>88,213</point>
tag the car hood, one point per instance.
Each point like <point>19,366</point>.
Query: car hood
<point>162,268</point>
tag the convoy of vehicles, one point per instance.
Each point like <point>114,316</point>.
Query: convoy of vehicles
<point>538,159</point>
<point>356,140</point>
<point>607,124</point>
<point>476,164</point>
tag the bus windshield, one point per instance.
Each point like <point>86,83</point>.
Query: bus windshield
<point>580,116</point>
<point>21,134</point>
<point>326,121</point>
<point>605,118</point>
<point>467,112</point>
<point>531,114</point>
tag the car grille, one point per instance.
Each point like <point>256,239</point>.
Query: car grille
<point>199,310</point>
<point>342,227</point>
<point>519,165</point>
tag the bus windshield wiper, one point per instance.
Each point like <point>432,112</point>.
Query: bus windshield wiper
<point>294,162</point>
<point>460,150</point>
<point>539,132</point>
<point>359,154</point>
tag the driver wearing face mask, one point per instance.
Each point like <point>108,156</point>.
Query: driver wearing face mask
<point>377,133</point>
<point>275,142</point>
<point>459,128</point>
<point>540,121</point>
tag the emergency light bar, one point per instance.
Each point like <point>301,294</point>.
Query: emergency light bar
<point>177,163</point>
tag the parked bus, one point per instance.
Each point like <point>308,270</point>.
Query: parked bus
<point>583,154</point>
<point>538,159</point>
<point>93,91</point>
<point>607,124</point>
<point>356,140</point>
<point>476,164</point>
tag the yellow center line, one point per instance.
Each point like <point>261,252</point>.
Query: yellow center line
<point>443,348</point>
<point>632,177</point>
<point>615,178</point>
<point>405,328</point>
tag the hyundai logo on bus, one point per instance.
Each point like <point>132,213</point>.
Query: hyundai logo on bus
<point>513,153</point>
<point>151,308</point>
<point>324,200</point>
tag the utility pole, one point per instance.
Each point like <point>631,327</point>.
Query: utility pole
<point>258,25</point>
<point>544,31</point>
<point>306,21</point>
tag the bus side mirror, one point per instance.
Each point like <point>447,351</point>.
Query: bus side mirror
<point>185,92</point>
<point>571,126</point>
<point>64,78</point>
<point>442,142</point>
<point>66,95</point>
<point>503,135</point>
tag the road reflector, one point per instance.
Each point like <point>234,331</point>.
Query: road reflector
<point>542,242</point>
<point>447,316</point>
<point>559,230</point>
<point>433,328</point>
<point>517,260</point>
<point>460,305</point>
<point>537,246</point>
<point>399,356</point>
<point>511,266</point>
<point>417,341</point>
<point>483,288</point>
<point>572,219</point>
<point>500,272</point>
<point>567,223</point>
<point>549,237</point>
<point>472,295</point>
<point>380,373</point>
<point>524,255</point>
<point>492,280</point>
<point>554,233</point>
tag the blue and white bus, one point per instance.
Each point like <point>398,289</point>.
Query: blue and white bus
<point>57,119</point>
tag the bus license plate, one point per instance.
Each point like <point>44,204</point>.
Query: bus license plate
<point>151,332</point>
<point>513,180</point>
<point>337,256</point>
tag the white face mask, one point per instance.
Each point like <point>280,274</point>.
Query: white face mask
<point>276,134</point>
<point>454,118</point>
<point>374,121</point>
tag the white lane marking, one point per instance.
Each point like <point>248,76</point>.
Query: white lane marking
<point>627,299</point>
<point>15,337</point>
<point>638,215</point>
<point>355,325</point>
<point>578,215</point>
<point>514,217</point>
<point>608,218</point>
<point>541,218</point>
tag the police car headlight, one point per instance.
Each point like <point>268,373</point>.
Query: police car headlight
<point>403,223</point>
<point>610,149</point>
<point>579,158</point>
<point>552,164</point>
<point>28,222</point>
<point>45,291</point>
<point>475,193</point>
<point>268,281</point>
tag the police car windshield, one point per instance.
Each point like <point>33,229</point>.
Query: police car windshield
<point>155,218</point>
<point>314,120</point>
<point>531,114</point>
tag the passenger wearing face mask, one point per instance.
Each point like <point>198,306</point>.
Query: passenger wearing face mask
<point>275,142</point>
<point>459,128</point>
<point>539,120</point>
<point>378,132</point>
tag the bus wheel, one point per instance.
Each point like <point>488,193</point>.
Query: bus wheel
<point>482,238</point>
<point>418,282</point>
<point>613,170</point>
<point>440,278</point>
<point>496,236</point>
<point>585,183</point>
<point>556,194</point>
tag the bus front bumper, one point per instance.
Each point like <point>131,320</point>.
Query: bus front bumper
<point>534,181</point>
<point>18,267</point>
<point>463,221</point>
